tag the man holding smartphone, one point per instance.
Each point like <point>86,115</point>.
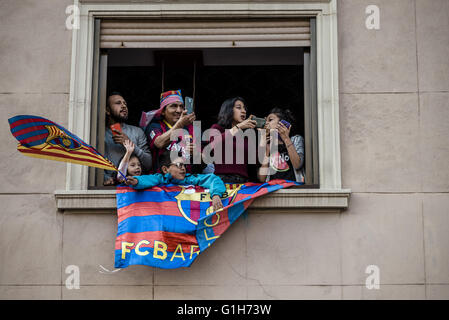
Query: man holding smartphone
<point>117,132</point>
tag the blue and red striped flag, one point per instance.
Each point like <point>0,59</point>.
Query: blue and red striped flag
<point>42,138</point>
<point>168,226</point>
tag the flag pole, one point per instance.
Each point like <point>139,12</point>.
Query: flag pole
<point>122,175</point>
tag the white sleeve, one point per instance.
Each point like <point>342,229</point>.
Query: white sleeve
<point>123,168</point>
<point>298,142</point>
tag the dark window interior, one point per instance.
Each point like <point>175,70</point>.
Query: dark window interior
<point>264,77</point>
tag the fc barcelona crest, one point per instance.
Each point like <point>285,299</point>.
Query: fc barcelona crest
<point>195,202</point>
<point>58,138</point>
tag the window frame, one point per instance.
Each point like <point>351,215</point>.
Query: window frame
<point>82,81</point>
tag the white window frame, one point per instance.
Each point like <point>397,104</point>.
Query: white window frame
<point>330,196</point>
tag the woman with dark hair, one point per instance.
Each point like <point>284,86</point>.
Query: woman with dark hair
<point>287,162</point>
<point>232,112</point>
<point>231,120</point>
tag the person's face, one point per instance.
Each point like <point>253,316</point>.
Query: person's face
<point>118,109</point>
<point>272,121</point>
<point>177,169</point>
<point>239,111</point>
<point>134,167</point>
<point>173,112</point>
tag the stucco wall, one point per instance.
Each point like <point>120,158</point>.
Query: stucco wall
<point>394,93</point>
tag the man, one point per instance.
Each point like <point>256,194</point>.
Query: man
<point>117,114</point>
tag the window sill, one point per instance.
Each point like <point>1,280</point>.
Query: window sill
<point>294,200</point>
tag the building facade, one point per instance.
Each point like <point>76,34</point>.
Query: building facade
<point>377,215</point>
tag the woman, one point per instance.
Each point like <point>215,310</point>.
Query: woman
<point>287,162</point>
<point>231,120</point>
<point>170,116</point>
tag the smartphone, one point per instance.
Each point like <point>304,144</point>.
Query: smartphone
<point>189,105</point>
<point>286,123</point>
<point>115,126</point>
<point>260,122</point>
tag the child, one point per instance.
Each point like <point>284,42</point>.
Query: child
<point>175,172</point>
<point>130,163</point>
<point>287,163</point>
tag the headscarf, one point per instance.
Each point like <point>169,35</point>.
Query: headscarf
<point>167,97</point>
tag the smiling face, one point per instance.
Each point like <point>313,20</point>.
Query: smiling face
<point>173,112</point>
<point>176,168</point>
<point>239,112</point>
<point>134,167</point>
<point>117,109</point>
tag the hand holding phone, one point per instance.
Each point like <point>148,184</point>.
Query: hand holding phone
<point>286,123</point>
<point>116,127</point>
<point>189,105</point>
<point>260,122</point>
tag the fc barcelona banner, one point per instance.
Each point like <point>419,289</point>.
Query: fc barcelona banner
<point>169,226</point>
<point>41,138</point>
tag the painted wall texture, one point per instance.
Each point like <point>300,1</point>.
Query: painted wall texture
<point>394,111</point>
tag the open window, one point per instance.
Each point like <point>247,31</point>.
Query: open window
<point>93,61</point>
<point>269,62</point>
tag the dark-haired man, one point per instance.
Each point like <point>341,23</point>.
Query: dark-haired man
<point>117,131</point>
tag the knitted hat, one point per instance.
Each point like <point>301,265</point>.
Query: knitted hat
<point>169,97</point>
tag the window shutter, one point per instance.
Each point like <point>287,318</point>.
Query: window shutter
<point>117,33</point>
<point>310,111</point>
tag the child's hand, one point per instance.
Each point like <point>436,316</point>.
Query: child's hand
<point>130,181</point>
<point>129,146</point>
<point>216,203</point>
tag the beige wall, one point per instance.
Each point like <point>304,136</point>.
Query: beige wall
<point>394,93</point>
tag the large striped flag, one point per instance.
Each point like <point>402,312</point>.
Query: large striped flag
<point>42,138</point>
<point>167,226</point>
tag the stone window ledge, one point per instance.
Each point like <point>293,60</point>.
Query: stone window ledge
<point>293,199</point>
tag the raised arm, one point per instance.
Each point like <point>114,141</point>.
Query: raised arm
<point>123,166</point>
<point>294,155</point>
<point>164,139</point>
